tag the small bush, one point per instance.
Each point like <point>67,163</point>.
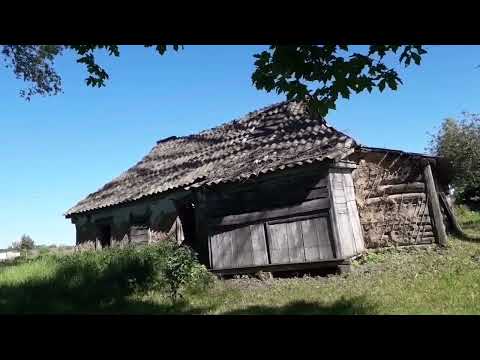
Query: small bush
<point>201,279</point>
<point>178,269</point>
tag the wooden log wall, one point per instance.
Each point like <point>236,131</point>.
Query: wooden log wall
<point>392,200</point>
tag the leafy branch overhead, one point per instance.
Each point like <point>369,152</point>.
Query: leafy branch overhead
<point>323,73</point>
<point>319,73</point>
<point>34,64</point>
<point>98,76</point>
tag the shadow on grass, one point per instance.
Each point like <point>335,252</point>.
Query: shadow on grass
<point>355,306</point>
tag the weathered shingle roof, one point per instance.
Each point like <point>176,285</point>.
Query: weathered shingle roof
<point>279,136</point>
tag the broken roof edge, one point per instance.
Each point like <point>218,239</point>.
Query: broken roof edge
<point>396,151</point>
<point>441,165</point>
<point>69,215</point>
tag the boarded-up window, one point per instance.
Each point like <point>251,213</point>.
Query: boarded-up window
<point>139,234</point>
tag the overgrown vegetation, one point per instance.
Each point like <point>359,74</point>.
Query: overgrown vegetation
<point>408,280</point>
<point>95,281</point>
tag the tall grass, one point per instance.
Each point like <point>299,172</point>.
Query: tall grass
<point>93,281</point>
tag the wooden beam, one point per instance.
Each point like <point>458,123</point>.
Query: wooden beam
<point>278,267</point>
<point>396,197</point>
<point>414,187</point>
<point>343,164</point>
<point>432,198</point>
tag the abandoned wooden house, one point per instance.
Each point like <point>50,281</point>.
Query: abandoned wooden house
<point>278,189</point>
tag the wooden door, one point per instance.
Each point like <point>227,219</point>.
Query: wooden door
<point>302,239</point>
<point>294,240</point>
<point>241,247</point>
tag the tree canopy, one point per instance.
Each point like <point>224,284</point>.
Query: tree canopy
<point>25,243</point>
<point>319,74</point>
<point>458,141</point>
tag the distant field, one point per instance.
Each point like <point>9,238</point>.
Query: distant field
<point>425,280</point>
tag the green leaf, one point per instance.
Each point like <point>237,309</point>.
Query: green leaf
<point>392,83</point>
<point>416,58</point>
<point>381,85</point>
<point>345,92</point>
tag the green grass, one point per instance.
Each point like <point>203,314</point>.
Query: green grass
<point>426,280</point>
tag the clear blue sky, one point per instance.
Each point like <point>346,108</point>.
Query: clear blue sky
<point>56,150</point>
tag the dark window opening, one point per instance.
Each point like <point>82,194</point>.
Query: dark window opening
<point>186,213</point>
<point>104,235</point>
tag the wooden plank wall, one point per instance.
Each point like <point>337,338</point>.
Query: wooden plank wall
<point>139,234</point>
<point>242,216</point>
<point>344,214</point>
<point>434,202</point>
<point>242,247</point>
<point>268,192</point>
<point>304,240</point>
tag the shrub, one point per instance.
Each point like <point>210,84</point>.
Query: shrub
<point>179,269</point>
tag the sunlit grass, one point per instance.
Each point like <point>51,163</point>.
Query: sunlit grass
<point>21,272</point>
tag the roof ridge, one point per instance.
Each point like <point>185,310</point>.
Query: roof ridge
<point>167,139</point>
<point>247,116</point>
